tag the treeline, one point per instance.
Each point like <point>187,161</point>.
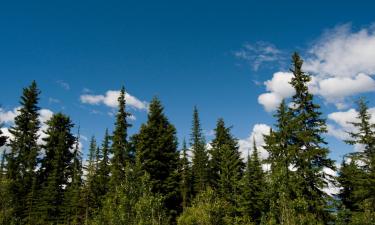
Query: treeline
<point>145,179</point>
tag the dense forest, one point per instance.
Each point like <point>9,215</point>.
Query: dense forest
<point>147,179</point>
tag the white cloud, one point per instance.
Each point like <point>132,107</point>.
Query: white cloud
<point>343,53</point>
<point>334,89</point>
<point>8,116</point>
<point>246,145</point>
<point>259,53</point>
<point>110,99</point>
<point>342,123</point>
<point>279,88</point>
<point>341,63</point>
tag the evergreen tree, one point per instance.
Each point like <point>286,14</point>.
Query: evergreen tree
<point>185,181</point>
<point>282,183</point>
<point>92,198</point>
<point>103,169</point>
<point>310,154</point>
<point>226,164</point>
<point>73,204</point>
<point>22,159</point>
<point>56,168</point>
<point>200,156</point>
<point>358,178</point>
<point>252,198</point>
<point>120,146</point>
<point>156,147</point>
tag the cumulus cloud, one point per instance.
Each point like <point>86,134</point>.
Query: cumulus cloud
<point>8,116</point>
<point>339,123</point>
<point>341,63</point>
<point>246,145</point>
<point>260,53</point>
<point>336,89</point>
<point>110,99</point>
<point>278,88</point>
<point>340,52</point>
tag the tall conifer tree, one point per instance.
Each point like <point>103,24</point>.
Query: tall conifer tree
<point>252,198</point>
<point>22,160</point>
<point>226,165</point>
<point>120,146</point>
<point>185,182</point>
<point>358,177</point>
<point>103,169</point>
<point>200,156</point>
<point>156,147</point>
<point>310,154</point>
<point>56,168</point>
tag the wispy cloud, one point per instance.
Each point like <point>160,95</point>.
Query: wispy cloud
<point>63,84</point>
<point>260,53</point>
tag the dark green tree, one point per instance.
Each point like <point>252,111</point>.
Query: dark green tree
<point>310,153</point>
<point>120,146</point>
<point>252,197</point>
<point>103,169</point>
<point>358,178</point>
<point>185,181</point>
<point>73,205</point>
<point>200,156</point>
<point>282,184</point>
<point>22,159</point>
<point>56,168</point>
<point>226,165</point>
<point>156,148</point>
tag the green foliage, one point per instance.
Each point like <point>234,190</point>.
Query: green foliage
<point>200,156</point>
<point>309,151</point>
<point>132,203</point>
<point>120,146</point>
<point>226,164</point>
<point>207,209</point>
<point>156,148</point>
<point>252,198</point>
<point>103,170</point>
<point>357,177</point>
<point>56,168</point>
<point>22,159</point>
<point>186,177</point>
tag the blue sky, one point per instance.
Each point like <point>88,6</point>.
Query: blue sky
<point>213,54</point>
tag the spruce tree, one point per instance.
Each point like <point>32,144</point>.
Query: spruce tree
<point>200,156</point>
<point>156,148</point>
<point>282,182</point>
<point>56,168</point>
<point>91,187</point>
<point>252,198</point>
<point>22,159</point>
<point>226,164</point>
<point>185,181</point>
<point>103,169</point>
<point>120,146</point>
<point>73,204</point>
<point>310,154</point>
<point>358,193</point>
